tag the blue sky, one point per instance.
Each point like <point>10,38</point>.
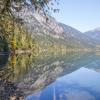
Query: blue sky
<point>83,15</point>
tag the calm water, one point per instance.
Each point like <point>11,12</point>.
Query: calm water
<point>66,76</point>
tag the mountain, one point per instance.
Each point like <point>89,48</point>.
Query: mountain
<point>94,34</point>
<point>31,27</point>
<point>77,37</point>
<point>52,32</point>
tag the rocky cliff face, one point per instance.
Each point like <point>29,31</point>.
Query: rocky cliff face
<point>53,31</point>
<point>37,22</point>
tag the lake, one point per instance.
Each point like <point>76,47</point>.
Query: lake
<point>50,76</point>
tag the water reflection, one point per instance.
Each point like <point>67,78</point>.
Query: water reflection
<point>3,59</point>
<point>32,73</point>
<point>9,90</point>
<point>10,74</point>
<point>83,84</point>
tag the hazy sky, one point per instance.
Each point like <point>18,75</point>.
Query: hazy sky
<point>83,15</point>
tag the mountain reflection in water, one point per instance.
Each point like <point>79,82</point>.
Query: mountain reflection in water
<point>30,73</point>
<point>83,84</point>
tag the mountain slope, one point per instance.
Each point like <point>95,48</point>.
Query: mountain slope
<point>94,34</point>
<point>78,37</point>
<point>52,32</point>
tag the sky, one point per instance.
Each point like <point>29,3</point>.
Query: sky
<point>83,15</point>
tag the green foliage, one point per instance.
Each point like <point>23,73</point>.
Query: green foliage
<point>23,39</point>
<point>15,35</point>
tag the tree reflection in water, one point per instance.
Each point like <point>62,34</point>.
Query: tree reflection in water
<point>3,59</point>
<point>30,73</point>
<point>8,88</point>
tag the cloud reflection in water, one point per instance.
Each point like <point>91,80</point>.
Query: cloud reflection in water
<point>83,84</point>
